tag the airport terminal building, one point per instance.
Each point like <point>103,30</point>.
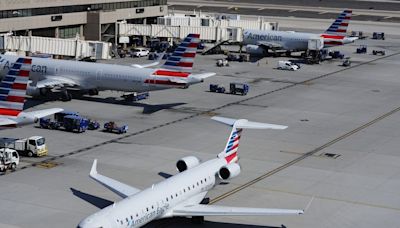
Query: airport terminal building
<point>91,19</point>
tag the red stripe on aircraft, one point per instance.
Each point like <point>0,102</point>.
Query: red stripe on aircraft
<point>188,55</point>
<point>192,45</point>
<point>28,61</point>
<point>185,64</point>
<point>9,112</point>
<point>231,157</point>
<point>171,73</point>
<point>19,86</point>
<point>24,73</point>
<point>329,36</point>
<point>15,99</point>
<point>333,43</point>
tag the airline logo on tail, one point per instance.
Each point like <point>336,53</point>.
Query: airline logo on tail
<point>336,34</point>
<point>13,88</point>
<point>231,149</point>
<point>176,70</point>
<point>339,27</point>
<point>183,57</point>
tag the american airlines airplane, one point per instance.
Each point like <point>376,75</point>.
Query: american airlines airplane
<point>259,41</point>
<point>61,75</point>
<point>183,193</point>
<point>12,96</point>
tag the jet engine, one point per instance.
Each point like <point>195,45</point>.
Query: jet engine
<point>36,92</point>
<point>187,163</point>
<point>230,171</point>
<point>255,50</point>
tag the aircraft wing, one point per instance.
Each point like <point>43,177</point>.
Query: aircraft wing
<point>269,45</point>
<point>42,113</point>
<point>55,81</point>
<point>115,186</point>
<point>210,210</point>
<point>6,121</point>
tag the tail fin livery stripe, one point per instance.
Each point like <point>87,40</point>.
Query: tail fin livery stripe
<point>183,57</point>
<point>232,146</point>
<point>339,26</point>
<point>13,88</point>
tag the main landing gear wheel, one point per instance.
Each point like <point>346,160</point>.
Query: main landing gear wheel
<point>65,96</point>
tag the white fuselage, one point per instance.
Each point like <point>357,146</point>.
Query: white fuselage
<point>91,75</point>
<point>187,187</point>
<point>287,40</point>
<point>292,41</point>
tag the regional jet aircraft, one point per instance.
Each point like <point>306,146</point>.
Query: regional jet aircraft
<point>259,42</point>
<point>91,77</point>
<point>12,96</point>
<point>182,194</point>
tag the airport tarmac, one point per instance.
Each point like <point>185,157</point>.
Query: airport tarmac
<point>341,146</point>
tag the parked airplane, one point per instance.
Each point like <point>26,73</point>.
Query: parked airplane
<point>259,42</point>
<point>183,193</point>
<point>92,77</point>
<point>12,96</point>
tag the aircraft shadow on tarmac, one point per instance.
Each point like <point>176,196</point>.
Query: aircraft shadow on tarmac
<point>180,222</point>
<point>168,222</point>
<point>147,108</point>
<point>94,200</point>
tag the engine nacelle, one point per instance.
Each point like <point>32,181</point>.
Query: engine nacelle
<point>36,92</point>
<point>187,163</point>
<point>230,171</point>
<point>255,50</point>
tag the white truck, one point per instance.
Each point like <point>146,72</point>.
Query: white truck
<point>32,146</point>
<point>9,159</point>
<point>287,65</point>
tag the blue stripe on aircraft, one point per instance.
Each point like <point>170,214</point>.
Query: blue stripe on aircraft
<point>4,91</point>
<point>9,79</point>
<point>5,85</point>
<point>170,63</point>
<point>172,58</point>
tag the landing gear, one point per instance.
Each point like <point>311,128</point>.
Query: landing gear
<point>198,219</point>
<point>65,96</point>
<point>93,92</point>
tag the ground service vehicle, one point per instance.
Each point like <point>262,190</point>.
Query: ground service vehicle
<point>378,36</point>
<point>9,159</point>
<point>238,88</point>
<point>139,52</point>
<point>217,88</point>
<point>113,127</point>
<point>93,125</point>
<point>75,123</point>
<point>32,146</point>
<point>222,62</point>
<point>378,52</point>
<point>287,65</point>
<point>362,49</point>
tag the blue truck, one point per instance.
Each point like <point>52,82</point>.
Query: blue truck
<point>238,88</point>
<point>70,121</point>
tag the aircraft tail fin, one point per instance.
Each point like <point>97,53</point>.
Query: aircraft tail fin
<point>183,57</point>
<point>230,152</point>
<point>340,25</point>
<point>13,88</point>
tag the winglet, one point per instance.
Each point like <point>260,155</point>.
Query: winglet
<point>93,170</point>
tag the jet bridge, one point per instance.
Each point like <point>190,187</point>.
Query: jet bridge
<point>76,47</point>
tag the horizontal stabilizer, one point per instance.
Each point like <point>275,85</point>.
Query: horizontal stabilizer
<point>214,210</point>
<point>243,123</point>
<point>115,186</point>
<point>6,121</point>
